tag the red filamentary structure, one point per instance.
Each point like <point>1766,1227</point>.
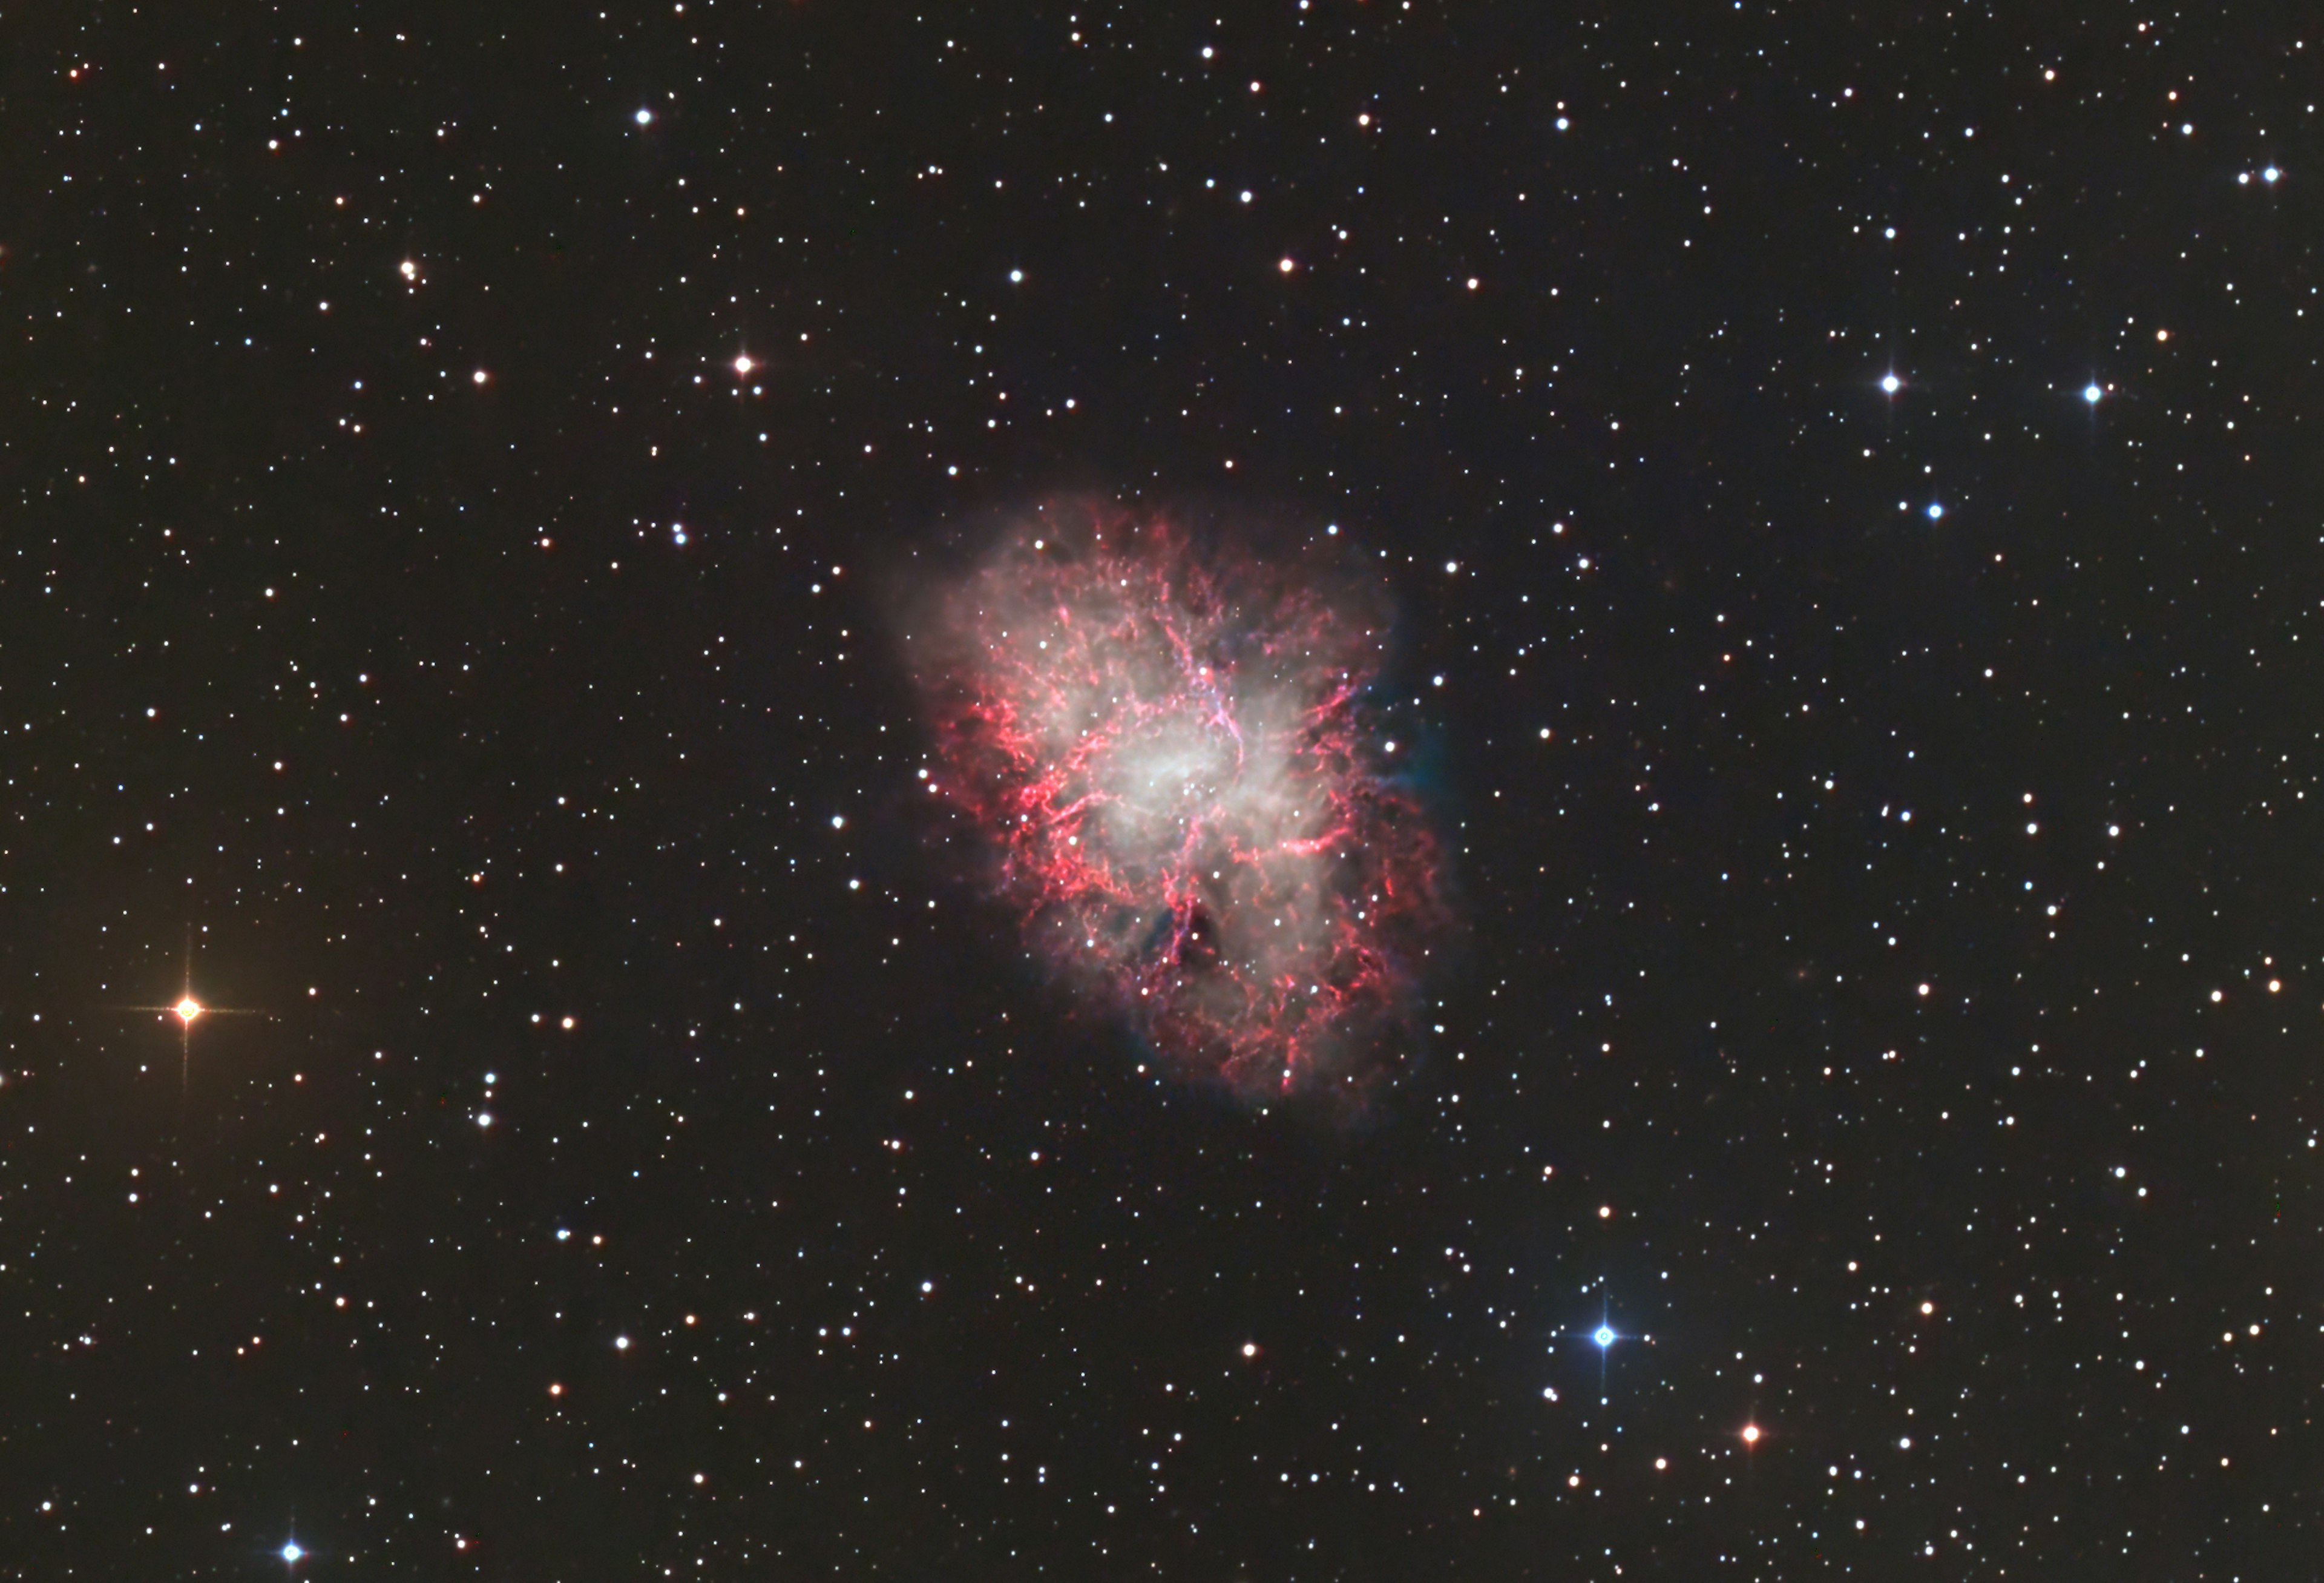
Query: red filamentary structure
<point>1166,749</point>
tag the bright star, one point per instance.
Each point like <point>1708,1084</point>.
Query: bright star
<point>1892,384</point>
<point>645,117</point>
<point>187,1009</point>
<point>2270,174</point>
<point>291,1553</point>
<point>1935,510</point>
<point>743,364</point>
<point>2092,394</point>
<point>1603,1335</point>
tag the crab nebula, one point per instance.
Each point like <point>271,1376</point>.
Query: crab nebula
<point>1164,747</point>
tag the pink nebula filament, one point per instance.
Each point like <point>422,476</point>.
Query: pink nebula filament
<point>1168,749</point>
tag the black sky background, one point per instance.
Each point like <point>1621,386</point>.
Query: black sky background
<point>432,727</point>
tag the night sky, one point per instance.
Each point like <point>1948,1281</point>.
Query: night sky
<point>1843,549</point>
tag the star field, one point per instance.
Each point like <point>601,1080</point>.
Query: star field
<point>1841,486</point>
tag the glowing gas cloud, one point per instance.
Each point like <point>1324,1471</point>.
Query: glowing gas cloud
<point>1164,745</point>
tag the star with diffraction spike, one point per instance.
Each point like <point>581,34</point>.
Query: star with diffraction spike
<point>187,1009</point>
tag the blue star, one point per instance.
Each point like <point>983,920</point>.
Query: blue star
<point>1604,1336</point>
<point>2092,394</point>
<point>291,1553</point>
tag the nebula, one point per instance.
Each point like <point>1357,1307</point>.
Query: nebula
<point>1165,745</point>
